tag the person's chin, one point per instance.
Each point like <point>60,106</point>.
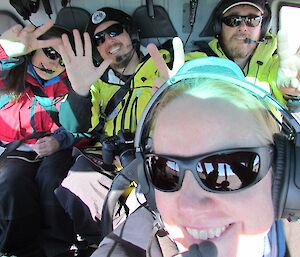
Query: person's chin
<point>46,76</point>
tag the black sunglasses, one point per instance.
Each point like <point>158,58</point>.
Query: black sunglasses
<point>236,20</point>
<point>222,171</point>
<point>112,31</point>
<point>53,55</point>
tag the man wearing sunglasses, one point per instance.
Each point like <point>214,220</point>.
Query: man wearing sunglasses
<point>241,30</point>
<point>105,101</point>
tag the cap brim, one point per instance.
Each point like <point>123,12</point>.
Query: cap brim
<point>243,3</point>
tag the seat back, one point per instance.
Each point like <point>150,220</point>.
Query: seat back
<point>155,26</point>
<point>7,20</point>
<point>73,18</point>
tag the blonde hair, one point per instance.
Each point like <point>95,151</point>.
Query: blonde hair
<point>234,94</point>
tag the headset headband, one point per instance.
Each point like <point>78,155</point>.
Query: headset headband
<point>216,69</point>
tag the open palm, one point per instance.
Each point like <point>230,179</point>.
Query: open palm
<point>164,72</point>
<point>79,63</point>
<point>23,40</point>
<point>289,70</point>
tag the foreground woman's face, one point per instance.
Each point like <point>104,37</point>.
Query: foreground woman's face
<point>235,222</point>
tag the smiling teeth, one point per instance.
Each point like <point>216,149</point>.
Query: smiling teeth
<point>206,234</point>
<point>114,50</point>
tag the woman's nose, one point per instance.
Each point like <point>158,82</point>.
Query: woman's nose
<point>192,196</point>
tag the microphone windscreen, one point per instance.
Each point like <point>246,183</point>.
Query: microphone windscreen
<point>204,249</point>
<point>207,249</point>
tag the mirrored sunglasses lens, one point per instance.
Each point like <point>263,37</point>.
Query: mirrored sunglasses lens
<point>99,38</point>
<point>253,21</point>
<point>164,173</point>
<point>232,21</point>
<point>113,31</point>
<point>51,53</point>
<point>229,172</point>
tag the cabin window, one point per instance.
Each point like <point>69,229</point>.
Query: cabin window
<point>289,20</point>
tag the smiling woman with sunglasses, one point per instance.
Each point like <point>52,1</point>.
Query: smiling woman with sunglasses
<point>37,150</point>
<point>207,175</point>
<point>229,129</point>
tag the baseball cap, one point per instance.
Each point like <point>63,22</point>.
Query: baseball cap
<point>258,4</point>
<point>108,14</point>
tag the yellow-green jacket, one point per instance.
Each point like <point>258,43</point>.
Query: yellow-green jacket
<point>262,68</point>
<point>128,112</point>
<point>87,114</point>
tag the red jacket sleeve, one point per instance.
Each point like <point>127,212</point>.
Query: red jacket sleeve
<point>3,55</point>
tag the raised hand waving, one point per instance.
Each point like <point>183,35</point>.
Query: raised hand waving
<point>19,40</point>
<point>79,63</point>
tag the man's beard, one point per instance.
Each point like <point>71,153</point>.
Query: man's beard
<point>123,60</point>
<point>234,52</point>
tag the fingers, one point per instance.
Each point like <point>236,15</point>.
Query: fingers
<point>78,43</point>
<point>298,52</point>
<point>46,146</point>
<point>103,66</point>
<point>42,29</point>
<point>289,69</point>
<point>63,54</point>
<point>158,61</point>
<point>29,29</point>
<point>157,84</point>
<point>67,46</point>
<point>87,45</point>
<point>17,29</point>
<point>178,55</point>
<point>162,67</point>
<point>284,46</point>
<point>12,33</point>
<point>295,83</point>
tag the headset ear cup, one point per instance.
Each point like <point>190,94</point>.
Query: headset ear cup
<point>143,183</point>
<point>142,178</point>
<point>21,8</point>
<point>134,36</point>
<point>279,173</point>
<point>266,20</point>
<point>217,27</point>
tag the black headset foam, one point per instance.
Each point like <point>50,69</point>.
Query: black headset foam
<point>25,7</point>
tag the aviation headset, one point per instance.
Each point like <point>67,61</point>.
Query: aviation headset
<point>224,4</point>
<point>286,164</point>
<point>25,7</point>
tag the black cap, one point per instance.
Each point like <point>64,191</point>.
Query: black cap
<point>108,14</point>
<point>57,31</point>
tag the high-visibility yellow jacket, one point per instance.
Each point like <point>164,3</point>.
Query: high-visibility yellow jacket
<point>262,68</point>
